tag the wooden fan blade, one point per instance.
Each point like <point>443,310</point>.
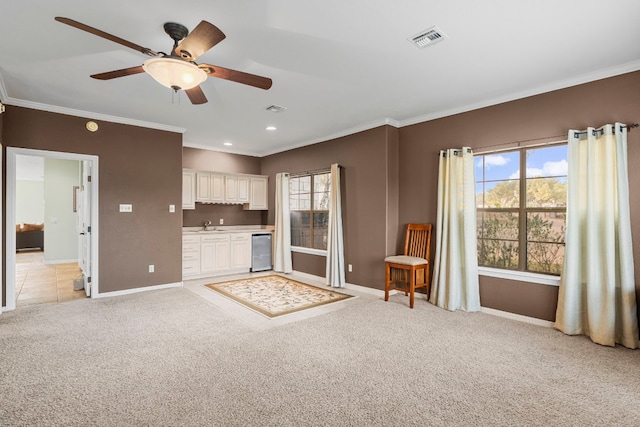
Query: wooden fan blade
<point>104,35</point>
<point>118,73</point>
<point>237,76</point>
<point>196,96</point>
<point>201,39</point>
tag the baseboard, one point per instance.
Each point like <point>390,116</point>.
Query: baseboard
<point>518,317</point>
<point>136,290</point>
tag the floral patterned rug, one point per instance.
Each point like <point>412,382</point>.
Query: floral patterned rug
<point>276,295</point>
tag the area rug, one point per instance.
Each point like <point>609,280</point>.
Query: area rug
<point>275,295</point>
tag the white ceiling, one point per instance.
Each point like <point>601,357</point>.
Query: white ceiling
<point>338,66</point>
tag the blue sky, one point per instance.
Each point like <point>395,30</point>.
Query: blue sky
<point>542,162</point>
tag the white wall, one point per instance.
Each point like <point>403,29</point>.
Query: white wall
<point>29,202</point>
<point>29,190</point>
<point>60,235</point>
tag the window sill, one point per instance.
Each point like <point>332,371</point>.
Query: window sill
<point>310,251</point>
<point>521,276</point>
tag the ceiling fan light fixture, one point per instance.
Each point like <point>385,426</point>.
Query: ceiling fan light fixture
<point>174,73</point>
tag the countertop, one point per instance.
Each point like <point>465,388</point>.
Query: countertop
<point>253,229</point>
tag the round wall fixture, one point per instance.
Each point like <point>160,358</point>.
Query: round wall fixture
<point>92,126</point>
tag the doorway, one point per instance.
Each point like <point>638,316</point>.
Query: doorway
<point>85,199</point>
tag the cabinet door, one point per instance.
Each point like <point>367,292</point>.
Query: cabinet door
<point>221,255</point>
<point>214,253</point>
<point>217,188</point>
<point>203,186</point>
<point>243,189</point>
<point>230,189</point>
<point>188,190</point>
<point>258,196</point>
<point>207,257</point>
<point>240,251</point>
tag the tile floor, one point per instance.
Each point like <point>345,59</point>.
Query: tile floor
<point>40,283</point>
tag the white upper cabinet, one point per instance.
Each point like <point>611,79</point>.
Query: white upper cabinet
<point>214,187</point>
<point>209,187</point>
<point>243,189</point>
<point>259,186</point>
<point>188,189</point>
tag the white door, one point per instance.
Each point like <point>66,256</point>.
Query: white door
<point>84,225</point>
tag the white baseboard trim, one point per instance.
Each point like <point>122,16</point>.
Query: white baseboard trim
<point>518,317</point>
<point>137,290</point>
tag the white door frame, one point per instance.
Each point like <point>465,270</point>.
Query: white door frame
<point>10,267</point>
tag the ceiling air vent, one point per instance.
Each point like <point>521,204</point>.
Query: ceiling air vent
<point>275,108</point>
<point>427,37</point>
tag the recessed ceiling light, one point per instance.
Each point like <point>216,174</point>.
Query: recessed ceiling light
<point>271,128</point>
<point>228,143</point>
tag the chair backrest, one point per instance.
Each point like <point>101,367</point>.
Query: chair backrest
<point>417,241</point>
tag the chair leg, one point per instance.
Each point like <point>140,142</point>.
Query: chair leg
<point>405,282</point>
<point>412,287</point>
<point>386,282</point>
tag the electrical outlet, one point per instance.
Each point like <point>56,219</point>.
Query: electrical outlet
<point>350,268</point>
<point>152,268</point>
<point>221,221</point>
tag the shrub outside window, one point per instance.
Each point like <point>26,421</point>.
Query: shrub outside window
<point>309,205</point>
<point>521,199</point>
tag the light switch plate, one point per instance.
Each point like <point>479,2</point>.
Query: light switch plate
<point>172,208</point>
<point>126,208</point>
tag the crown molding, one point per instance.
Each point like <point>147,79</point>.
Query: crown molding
<point>3,91</point>
<point>89,115</point>
<point>339,134</point>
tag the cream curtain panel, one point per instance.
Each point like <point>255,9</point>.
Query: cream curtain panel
<point>282,239</point>
<point>597,290</point>
<point>335,275</point>
<point>455,274</point>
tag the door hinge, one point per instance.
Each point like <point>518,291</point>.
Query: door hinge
<point>89,178</point>
<point>89,279</point>
<point>89,229</point>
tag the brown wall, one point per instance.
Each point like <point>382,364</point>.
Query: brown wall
<point>538,117</point>
<point>194,158</point>
<point>363,157</point>
<point>137,165</point>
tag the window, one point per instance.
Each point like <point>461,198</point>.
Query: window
<point>521,198</point>
<point>309,205</point>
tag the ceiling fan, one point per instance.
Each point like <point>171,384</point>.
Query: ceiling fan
<point>178,70</point>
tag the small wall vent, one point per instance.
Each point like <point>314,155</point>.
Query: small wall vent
<point>427,37</point>
<point>275,108</point>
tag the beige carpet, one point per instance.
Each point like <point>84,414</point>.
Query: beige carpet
<point>171,358</point>
<point>276,295</point>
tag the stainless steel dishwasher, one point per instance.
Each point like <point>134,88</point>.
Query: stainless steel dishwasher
<point>261,252</point>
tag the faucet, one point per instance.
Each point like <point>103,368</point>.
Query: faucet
<point>207,224</point>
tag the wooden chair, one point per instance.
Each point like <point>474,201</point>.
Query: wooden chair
<point>411,269</point>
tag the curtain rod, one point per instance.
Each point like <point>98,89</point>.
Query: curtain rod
<point>500,150</point>
<point>455,152</point>
<point>629,127</point>
<point>313,172</point>
<point>518,146</point>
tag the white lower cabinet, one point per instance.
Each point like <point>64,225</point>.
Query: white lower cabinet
<point>215,254</point>
<point>240,251</point>
<point>190,255</point>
